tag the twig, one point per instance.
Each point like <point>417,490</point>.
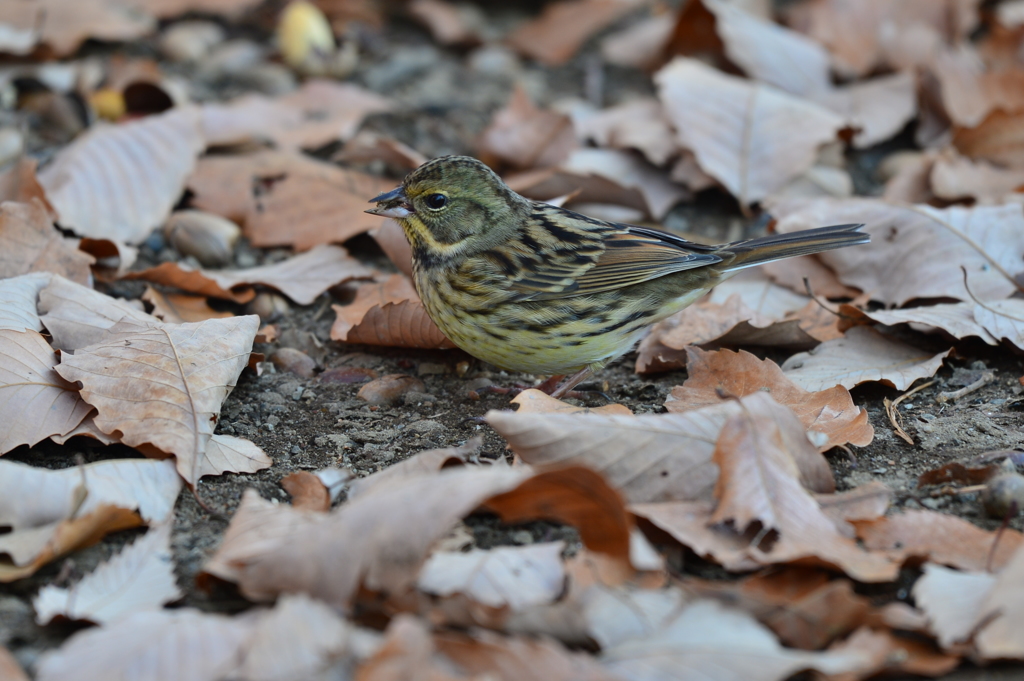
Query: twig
<point>954,395</point>
<point>948,491</point>
<point>894,416</point>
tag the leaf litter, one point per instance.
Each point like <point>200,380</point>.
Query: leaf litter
<point>444,529</point>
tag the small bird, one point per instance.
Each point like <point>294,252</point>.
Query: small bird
<point>531,287</point>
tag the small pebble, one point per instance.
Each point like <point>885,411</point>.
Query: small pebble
<point>431,369</point>
<point>926,417</point>
<point>414,398</point>
<point>297,395</point>
<point>295,361</point>
<point>296,449</point>
<point>477,383</point>
<point>521,537</point>
<point>425,426</point>
<point>188,41</point>
<point>1003,495</point>
<point>389,389</point>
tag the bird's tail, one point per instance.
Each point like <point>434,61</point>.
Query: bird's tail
<point>778,246</point>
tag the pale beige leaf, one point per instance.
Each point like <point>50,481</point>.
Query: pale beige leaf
<point>1003,319</point>
<point>769,52</point>
<point>630,172</point>
<point>970,91</point>
<point>10,670</point>
<point>533,401</point>
<point>737,374</point>
<point>121,181</point>
<point>562,28</point>
<point>709,641</point>
<point>760,482</point>
<point>956,319</point>
<point>954,177</point>
<point>641,44</point>
<point>31,497</point>
<point>319,112</point>
<point>761,294</point>
<point>19,295</point>
<point>878,108</point>
<point>862,355</point>
<point>172,644</point>
<point>1003,607</point>
<point>749,136</point>
<point>639,124</point>
<point>514,577</point>
<point>77,316</point>
<point>916,251</point>
<point>429,461</point>
<point>140,577</point>
<point>69,24</point>
<point>35,402</point>
<point>229,453</point>
<point>999,138</point>
<point>286,198</point>
<point>179,375</point>
<point>30,243</point>
<point>952,600</point>
<point>526,136</point>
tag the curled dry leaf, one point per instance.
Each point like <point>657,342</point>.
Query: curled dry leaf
<point>640,45</point>
<point>387,313</point>
<point>737,374</point>
<point>178,308</point>
<point>917,251</point>
<point>630,172</point>
<point>121,181</point>
<point>955,178</point>
<point>525,136</point>
<point>35,402</point>
<point>407,652</point>
<point>537,402</point>
<point>562,28</point>
<point>639,124</point>
<point>877,109</point>
<point>319,112</point>
<point>707,640</point>
<point>862,355</point>
<point>752,138</point>
<point>956,319</point>
<point>1002,608</point>
<point>380,539</point>
<point>30,243</point>
<point>952,600</point>
<point>180,375</point>
<point>648,457</point>
<point>940,538</point>
<point>999,138</point>
<point>509,576</point>
<point>77,316</point>
<point>866,502</point>
<point>369,146</point>
<point>1003,319</point>
<point>286,199</point>
<point>19,295</point>
<point>302,277</point>
<point>68,25</point>
<point>422,463</point>
<point>307,491</point>
<point>140,577</point>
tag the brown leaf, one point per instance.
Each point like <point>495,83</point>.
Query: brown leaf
<point>707,640</point>
<point>30,243</point>
<point>307,491</point>
<point>562,28</point>
<point>640,45</point>
<point>889,653</point>
<point>319,112</point>
<point>525,136</point>
<point>407,653</point>
<point>648,457</point>
<point>760,483</point>
<point>429,461</point>
<point>68,25</point>
<point>368,146</point>
<point>969,92</point>
<point>550,183</point>
<point>956,319</point>
<point>955,178</point>
<point>450,24</point>
<point>10,670</point>
<point>484,653</point>
<point>179,375</point>
<point>639,124</point>
<point>866,502</point>
<point>387,313</point>
<point>19,183</point>
<point>952,600</point>
<point>940,538</point>
<point>121,181</point>
<point>737,374</point>
<point>35,402</point>
<point>999,138</point>
<point>1003,608</point>
<point>537,402</point>
<point>302,277</point>
<point>286,199</point>
<point>630,172</point>
<point>177,308</point>
<point>751,137</point>
<point>140,577</point>
<point>862,355</point>
<point>957,472</point>
<point>380,539</point>
<point>166,9</point>
<point>878,108</point>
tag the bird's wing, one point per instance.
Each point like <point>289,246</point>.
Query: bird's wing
<point>573,255</point>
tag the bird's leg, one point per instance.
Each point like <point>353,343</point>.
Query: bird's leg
<point>568,384</point>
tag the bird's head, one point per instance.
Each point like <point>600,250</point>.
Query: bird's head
<point>453,206</point>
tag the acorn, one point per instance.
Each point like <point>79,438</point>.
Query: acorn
<point>208,238</point>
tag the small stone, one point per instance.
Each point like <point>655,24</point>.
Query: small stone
<point>296,449</point>
<point>269,306</point>
<point>270,397</point>
<point>190,41</point>
<point>245,260</point>
<point>477,383</point>
<point>929,502</point>
<point>208,238</point>
<point>348,375</point>
<point>308,395</point>
<point>294,361</point>
<point>297,395</point>
<point>424,427</point>
<point>1004,495</point>
<point>926,417</point>
<point>273,420</point>
<point>389,389</point>
<point>431,369</point>
<point>521,537</point>
<point>414,398</point>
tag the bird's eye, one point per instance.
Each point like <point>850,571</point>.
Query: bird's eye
<point>437,201</point>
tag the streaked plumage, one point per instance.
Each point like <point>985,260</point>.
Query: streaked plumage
<point>530,287</point>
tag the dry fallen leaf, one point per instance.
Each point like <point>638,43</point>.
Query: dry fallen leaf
<point>319,112</point>
<point>537,402</point>
<point>286,199</point>
<point>952,600</point>
<point>369,146</point>
<point>940,538</point>
<point>30,243</point>
<point>64,26</point>
<point>77,316</point>
<point>19,295</point>
<point>954,178</point>
<point>562,28</point>
<point>639,124</point>
<point>999,138</point>
<point>862,355</point>
<point>302,277</point>
<point>448,23</point>
<point>878,108</point>
<point>969,92</point>
<point>429,461</point>
<point>389,313</point>
<point>19,183</point>
<point>1001,609</point>
<point>640,45</point>
<point>737,374</point>
<point>526,136</point>
<point>307,491</point>
<point>391,239</point>
<point>630,172</point>
<point>10,670</point>
<point>751,137</point>
<point>121,181</point>
<point>179,375</point>
<point>508,576</point>
<point>956,319</point>
<point>917,251</point>
<point>177,308</point>
<point>140,577</point>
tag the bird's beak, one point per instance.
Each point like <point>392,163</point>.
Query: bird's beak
<point>392,204</point>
